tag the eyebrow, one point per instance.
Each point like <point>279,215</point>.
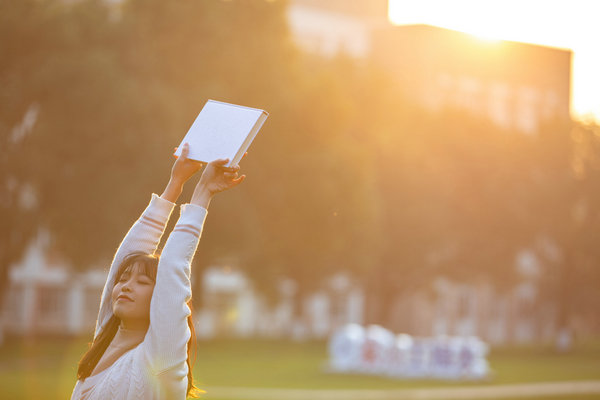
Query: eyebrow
<point>127,273</point>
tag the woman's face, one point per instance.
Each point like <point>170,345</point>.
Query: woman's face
<point>132,294</point>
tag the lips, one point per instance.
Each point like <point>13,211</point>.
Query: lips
<point>124,297</point>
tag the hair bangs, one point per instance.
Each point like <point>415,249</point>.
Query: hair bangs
<point>144,263</point>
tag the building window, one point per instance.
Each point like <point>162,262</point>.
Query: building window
<point>225,306</point>
<point>551,103</point>
<point>92,305</point>
<point>464,305</point>
<point>499,100</point>
<point>496,310</point>
<point>525,309</point>
<point>14,305</point>
<point>51,308</point>
<point>527,109</point>
<point>468,93</point>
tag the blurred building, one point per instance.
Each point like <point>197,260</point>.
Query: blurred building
<point>336,26</point>
<point>45,297</point>
<point>517,315</point>
<point>232,308</point>
<point>518,86</point>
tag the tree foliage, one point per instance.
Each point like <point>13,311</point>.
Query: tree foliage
<point>346,175</point>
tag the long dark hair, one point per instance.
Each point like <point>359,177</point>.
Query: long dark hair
<point>149,266</point>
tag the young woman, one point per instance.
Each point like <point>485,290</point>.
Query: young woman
<point>143,332</point>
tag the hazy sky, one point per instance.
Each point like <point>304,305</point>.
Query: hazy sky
<point>569,24</point>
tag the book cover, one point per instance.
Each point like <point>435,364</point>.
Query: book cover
<point>222,130</point>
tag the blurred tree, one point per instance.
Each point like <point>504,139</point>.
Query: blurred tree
<point>92,136</point>
<point>347,173</point>
<point>68,149</point>
<point>19,110</point>
<point>461,205</point>
<point>117,90</point>
<point>291,224</point>
<point>567,217</point>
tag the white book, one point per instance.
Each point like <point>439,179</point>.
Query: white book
<point>222,130</point>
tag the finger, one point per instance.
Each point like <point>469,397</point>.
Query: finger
<point>231,169</point>
<point>186,150</point>
<point>230,174</point>
<point>237,181</point>
<point>220,161</point>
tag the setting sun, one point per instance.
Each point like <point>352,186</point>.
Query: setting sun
<point>563,24</point>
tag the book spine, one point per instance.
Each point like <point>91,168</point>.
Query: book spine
<point>238,156</point>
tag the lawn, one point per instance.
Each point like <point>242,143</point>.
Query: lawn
<point>45,369</point>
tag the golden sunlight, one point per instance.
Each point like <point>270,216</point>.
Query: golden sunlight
<point>562,23</point>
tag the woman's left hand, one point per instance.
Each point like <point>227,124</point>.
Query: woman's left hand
<point>215,178</point>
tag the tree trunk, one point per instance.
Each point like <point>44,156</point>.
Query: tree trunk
<point>564,334</point>
<point>379,299</point>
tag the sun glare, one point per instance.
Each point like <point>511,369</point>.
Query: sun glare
<point>482,33</point>
<point>490,20</point>
<point>563,24</point>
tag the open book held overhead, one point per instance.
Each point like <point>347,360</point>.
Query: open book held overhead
<point>222,130</point>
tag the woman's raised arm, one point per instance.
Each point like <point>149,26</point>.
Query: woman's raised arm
<point>166,341</point>
<point>146,232</point>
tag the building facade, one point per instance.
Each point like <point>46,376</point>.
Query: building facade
<point>518,86</point>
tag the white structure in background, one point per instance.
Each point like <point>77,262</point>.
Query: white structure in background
<point>377,351</point>
<point>516,315</point>
<point>231,307</point>
<point>332,27</point>
<point>45,297</point>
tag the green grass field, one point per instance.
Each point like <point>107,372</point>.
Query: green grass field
<point>45,369</point>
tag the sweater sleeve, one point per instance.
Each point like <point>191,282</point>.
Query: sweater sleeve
<point>166,341</point>
<point>144,236</point>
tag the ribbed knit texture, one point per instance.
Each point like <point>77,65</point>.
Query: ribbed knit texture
<point>156,368</point>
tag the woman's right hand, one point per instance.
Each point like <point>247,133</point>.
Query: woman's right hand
<point>181,172</point>
<point>184,168</point>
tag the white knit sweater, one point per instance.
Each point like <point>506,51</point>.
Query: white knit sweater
<point>156,368</point>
